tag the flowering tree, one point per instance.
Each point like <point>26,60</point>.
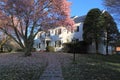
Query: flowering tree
<point>23,19</point>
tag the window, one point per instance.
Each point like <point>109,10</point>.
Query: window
<point>48,33</point>
<point>55,32</point>
<point>43,42</point>
<point>58,43</point>
<point>59,31</point>
<point>55,43</point>
<point>76,40</point>
<point>117,48</point>
<point>67,31</point>
<point>40,35</point>
<point>45,34</point>
<point>77,29</point>
<point>47,43</point>
<point>39,45</point>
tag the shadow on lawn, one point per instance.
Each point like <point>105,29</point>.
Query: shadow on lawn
<point>93,67</point>
<point>105,58</point>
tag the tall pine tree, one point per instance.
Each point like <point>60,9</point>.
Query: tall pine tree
<point>109,29</point>
<point>91,28</point>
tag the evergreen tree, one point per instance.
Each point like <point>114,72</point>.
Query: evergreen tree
<point>91,28</point>
<point>109,29</point>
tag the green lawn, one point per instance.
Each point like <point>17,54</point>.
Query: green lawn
<point>17,67</point>
<point>91,67</point>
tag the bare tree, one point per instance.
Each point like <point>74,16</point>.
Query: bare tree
<point>113,6</point>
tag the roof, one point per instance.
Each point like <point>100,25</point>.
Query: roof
<point>79,19</point>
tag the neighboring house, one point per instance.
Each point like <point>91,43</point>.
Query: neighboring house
<point>60,35</point>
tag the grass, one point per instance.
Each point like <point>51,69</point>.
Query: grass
<point>86,66</point>
<point>17,67</point>
<point>91,67</point>
<point>16,73</point>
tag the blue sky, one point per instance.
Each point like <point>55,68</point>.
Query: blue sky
<point>81,7</point>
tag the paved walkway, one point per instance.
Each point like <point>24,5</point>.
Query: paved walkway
<point>53,70</point>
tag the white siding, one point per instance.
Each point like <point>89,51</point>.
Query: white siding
<point>79,34</point>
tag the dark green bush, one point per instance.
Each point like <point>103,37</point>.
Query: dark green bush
<point>9,49</point>
<point>33,49</point>
<point>50,49</point>
<point>19,50</point>
<point>67,47</point>
<point>78,47</point>
<point>6,49</point>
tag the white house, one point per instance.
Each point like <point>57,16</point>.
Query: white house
<point>57,36</point>
<point>53,37</point>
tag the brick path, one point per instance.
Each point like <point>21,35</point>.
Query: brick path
<point>53,70</point>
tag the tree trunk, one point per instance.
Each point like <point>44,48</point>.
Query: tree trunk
<point>107,41</point>
<point>1,49</point>
<point>28,48</point>
<point>107,47</point>
<point>27,51</point>
<point>96,46</point>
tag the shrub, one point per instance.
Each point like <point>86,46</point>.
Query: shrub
<point>50,49</point>
<point>9,49</point>
<point>78,47</point>
<point>19,50</point>
<point>67,47</point>
<point>33,49</point>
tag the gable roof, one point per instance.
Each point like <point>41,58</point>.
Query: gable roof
<point>78,19</point>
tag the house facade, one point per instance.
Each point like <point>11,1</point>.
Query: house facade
<point>53,37</point>
<point>58,36</point>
